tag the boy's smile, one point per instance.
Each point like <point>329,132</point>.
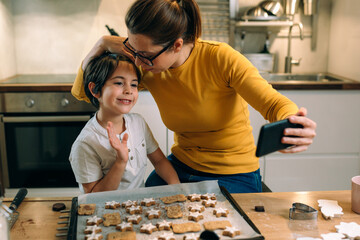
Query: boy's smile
<point>125,101</point>
<point>120,92</point>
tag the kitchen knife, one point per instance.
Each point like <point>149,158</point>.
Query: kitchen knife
<point>21,194</point>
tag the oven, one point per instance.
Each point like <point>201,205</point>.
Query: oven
<point>37,130</point>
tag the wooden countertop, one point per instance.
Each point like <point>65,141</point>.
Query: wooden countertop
<point>64,82</point>
<point>38,221</point>
<point>66,87</point>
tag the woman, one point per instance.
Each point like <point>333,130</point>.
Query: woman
<point>202,89</point>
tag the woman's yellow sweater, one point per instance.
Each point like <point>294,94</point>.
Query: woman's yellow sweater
<point>205,102</point>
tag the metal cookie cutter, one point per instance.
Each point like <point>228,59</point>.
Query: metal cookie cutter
<point>300,211</point>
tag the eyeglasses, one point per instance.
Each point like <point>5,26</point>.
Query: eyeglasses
<point>146,60</point>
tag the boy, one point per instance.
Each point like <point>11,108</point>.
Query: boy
<point>110,152</point>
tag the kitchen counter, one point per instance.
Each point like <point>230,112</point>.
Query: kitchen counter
<point>38,83</point>
<point>64,82</point>
<point>298,85</point>
<point>38,221</point>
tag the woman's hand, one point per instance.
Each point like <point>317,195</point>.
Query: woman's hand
<point>304,135</point>
<point>120,146</point>
<point>107,43</point>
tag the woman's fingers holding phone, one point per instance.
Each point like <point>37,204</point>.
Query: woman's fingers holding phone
<point>300,137</point>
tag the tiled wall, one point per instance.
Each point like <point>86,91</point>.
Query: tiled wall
<point>42,36</point>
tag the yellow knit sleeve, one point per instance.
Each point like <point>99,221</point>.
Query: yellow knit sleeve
<point>77,89</point>
<point>251,86</point>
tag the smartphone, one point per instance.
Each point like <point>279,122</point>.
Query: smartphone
<point>270,137</point>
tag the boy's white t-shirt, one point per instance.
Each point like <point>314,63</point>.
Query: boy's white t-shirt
<point>92,156</point>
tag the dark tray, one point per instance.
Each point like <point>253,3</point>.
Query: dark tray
<point>74,217</point>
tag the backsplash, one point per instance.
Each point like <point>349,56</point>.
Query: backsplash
<point>42,36</point>
<point>344,38</point>
<point>7,47</point>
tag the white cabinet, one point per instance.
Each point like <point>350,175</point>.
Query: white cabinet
<point>328,164</point>
<point>256,121</point>
<point>334,157</point>
<point>310,172</point>
<point>146,106</point>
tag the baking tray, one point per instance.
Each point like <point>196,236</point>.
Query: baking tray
<point>237,216</point>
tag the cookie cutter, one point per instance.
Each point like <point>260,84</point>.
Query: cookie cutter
<point>300,211</point>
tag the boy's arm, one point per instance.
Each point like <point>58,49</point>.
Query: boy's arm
<point>163,167</point>
<point>109,182</point>
<point>113,178</point>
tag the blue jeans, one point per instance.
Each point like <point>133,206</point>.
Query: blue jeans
<point>234,183</point>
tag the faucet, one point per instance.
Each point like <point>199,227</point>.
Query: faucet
<point>288,59</point>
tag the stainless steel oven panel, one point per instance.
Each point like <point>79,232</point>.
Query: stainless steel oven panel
<point>4,120</point>
<point>28,102</point>
<point>46,119</point>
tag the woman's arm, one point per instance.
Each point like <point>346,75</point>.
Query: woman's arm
<point>107,43</point>
<point>163,167</point>
<point>273,106</point>
<point>112,44</point>
<point>113,178</point>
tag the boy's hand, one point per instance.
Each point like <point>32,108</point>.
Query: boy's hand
<point>120,146</point>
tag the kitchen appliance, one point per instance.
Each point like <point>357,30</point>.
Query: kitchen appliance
<point>21,194</point>
<point>291,7</point>
<point>268,10</point>
<point>37,130</point>
<point>256,12</point>
<point>69,230</point>
<point>310,7</point>
<point>272,7</point>
<point>4,215</point>
<point>264,62</point>
<point>4,221</point>
<point>301,211</point>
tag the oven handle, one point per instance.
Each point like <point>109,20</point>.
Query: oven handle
<point>46,119</point>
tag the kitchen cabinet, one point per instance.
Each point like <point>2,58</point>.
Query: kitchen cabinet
<point>328,164</point>
<point>334,156</point>
<point>146,106</point>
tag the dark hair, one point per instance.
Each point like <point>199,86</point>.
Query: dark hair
<point>100,69</point>
<point>164,21</point>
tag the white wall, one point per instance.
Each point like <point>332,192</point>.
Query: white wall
<point>344,49</point>
<point>54,36</point>
<point>41,36</point>
<point>7,48</point>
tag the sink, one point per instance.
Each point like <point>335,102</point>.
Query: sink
<point>311,78</point>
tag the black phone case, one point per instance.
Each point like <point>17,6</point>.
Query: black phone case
<point>270,137</point>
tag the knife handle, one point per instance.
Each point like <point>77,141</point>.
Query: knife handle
<point>21,194</point>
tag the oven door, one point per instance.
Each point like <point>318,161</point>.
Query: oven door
<point>35,150</point>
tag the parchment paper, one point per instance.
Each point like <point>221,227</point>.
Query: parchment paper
<point>156,192</point>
